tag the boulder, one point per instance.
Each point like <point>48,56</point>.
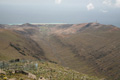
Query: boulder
<point>11,71</point>
<point>12,79</point>
<point>41,78</point>
<point>2,72</point>
<point>30,75</point>
<point>22,72</point>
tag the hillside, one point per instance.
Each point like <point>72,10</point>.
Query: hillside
<point>15,46</point>
<point>90,48</point>
<point>28,70</point>
<point>93,48</point>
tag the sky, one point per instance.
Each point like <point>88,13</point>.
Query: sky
<point>60,11</point>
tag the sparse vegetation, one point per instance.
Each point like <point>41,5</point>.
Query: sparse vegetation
<point>47,70</point>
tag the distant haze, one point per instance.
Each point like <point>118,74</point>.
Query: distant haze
<point>60,11</point>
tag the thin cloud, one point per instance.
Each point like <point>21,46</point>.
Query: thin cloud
<point>58,1</point>
<point>107,2</point>
<point>104,11</point>
<point>90,6</point>
<point>117,4</point>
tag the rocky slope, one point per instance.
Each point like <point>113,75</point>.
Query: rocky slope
<point>13,46</point>
<point>28,70</point>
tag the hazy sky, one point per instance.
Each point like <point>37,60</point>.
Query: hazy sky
<point>60,11</point>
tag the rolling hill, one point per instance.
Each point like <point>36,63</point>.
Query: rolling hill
<point>90,48</point>
<point>13,46</point>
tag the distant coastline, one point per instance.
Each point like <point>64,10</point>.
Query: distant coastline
<point>34,23</point>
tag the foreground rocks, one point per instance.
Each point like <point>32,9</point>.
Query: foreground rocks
<point>13,72</point>
<point>42,78</point>
<point>12,79</point>
<point>2,72</point>
<point>30,75</point>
